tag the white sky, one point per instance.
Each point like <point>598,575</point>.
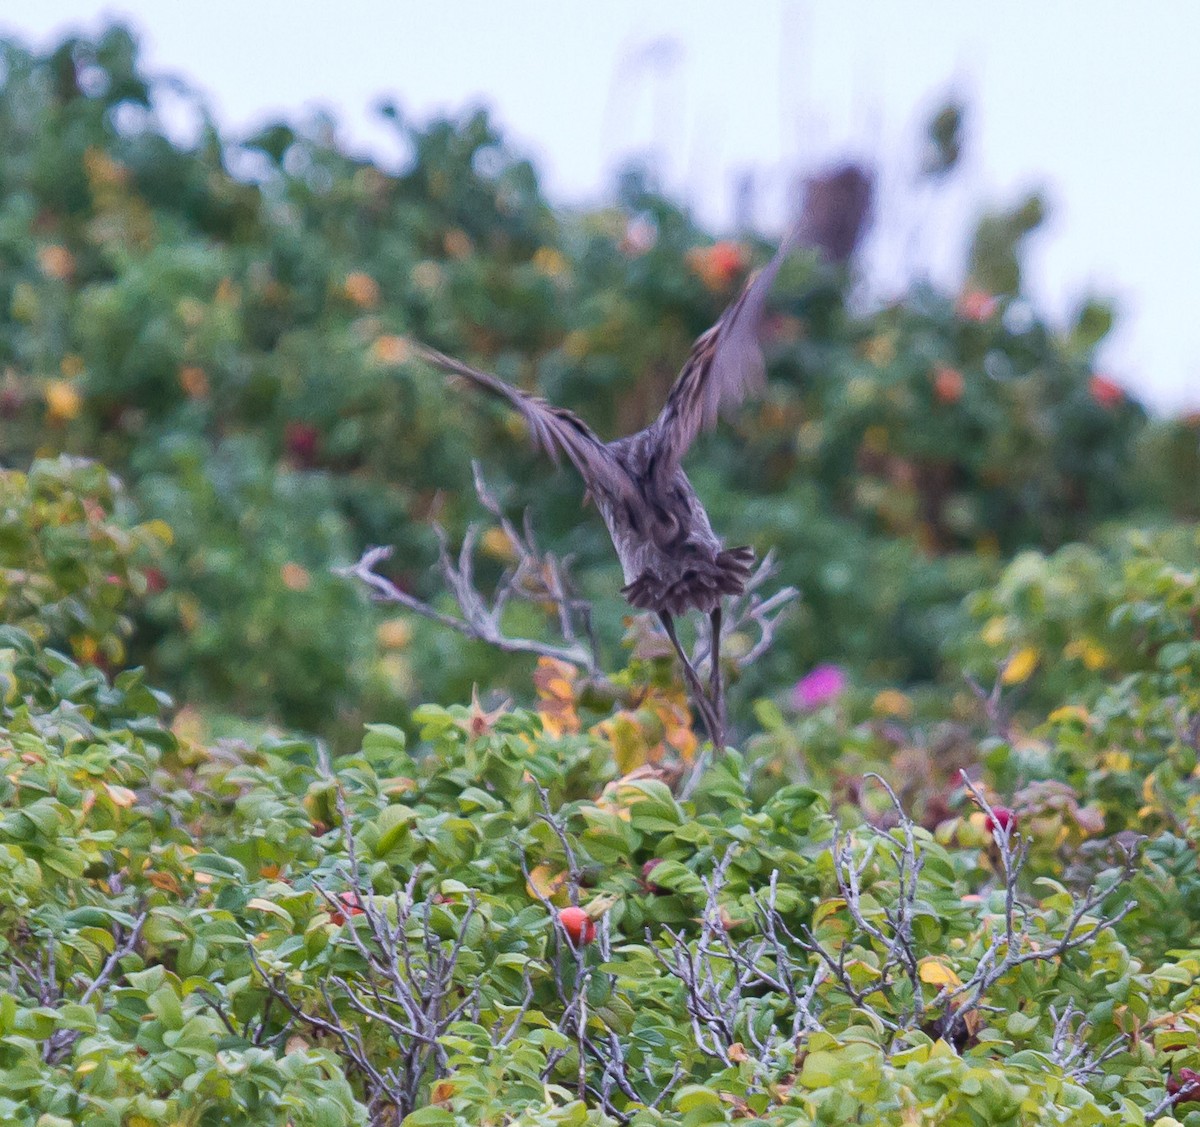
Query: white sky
<point>1097,103</point>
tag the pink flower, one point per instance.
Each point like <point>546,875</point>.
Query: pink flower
<point>820,686</point>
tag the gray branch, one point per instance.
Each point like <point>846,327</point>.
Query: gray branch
<point>536,576</point>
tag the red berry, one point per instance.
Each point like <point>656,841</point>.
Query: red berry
<point>1106,392</point>
<point>351,905</point>
<point>302,441</point>
<point>1001,818</point>
<point>1184,1086</point>
<point>579,926</point>
<point>728,260</point>
<point>649,885</point>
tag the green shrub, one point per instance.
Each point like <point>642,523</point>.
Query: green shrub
<point>72,562</point>
<point>205,933</point>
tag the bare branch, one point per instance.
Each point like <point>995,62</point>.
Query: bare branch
<point>1071,1052</point>
<point>43,981</point>
<point>535,576</point>
<point>750,611</point>
<point>406,988</point>
<point>1016,943</point>
<point>993,705</point>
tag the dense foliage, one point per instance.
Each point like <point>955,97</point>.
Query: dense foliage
<point>946,875</point>
<point>205,932</point>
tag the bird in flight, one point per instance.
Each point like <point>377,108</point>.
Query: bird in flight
<point>672,560</point>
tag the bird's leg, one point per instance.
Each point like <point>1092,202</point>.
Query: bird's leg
<point>716,691</point>
<point>699,698</point>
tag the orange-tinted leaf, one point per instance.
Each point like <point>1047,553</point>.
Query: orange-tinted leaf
<point>165,881</point>
<point>120,796</point>
<point>555,684</point>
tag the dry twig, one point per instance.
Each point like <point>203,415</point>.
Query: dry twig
<point>535,576</point>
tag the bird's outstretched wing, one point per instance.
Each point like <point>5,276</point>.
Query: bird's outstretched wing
<point>552,429</point>
<point>726,364</point>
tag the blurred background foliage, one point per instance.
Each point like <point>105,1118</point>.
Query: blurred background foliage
<point>223,323</point>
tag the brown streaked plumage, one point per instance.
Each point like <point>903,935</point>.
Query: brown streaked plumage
<point>672,560</point>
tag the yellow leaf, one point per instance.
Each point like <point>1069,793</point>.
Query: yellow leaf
<point>160,530</point>
<point>189,613</point>
<point>1020,666</point>
<point>295,578</point>
<point>892,702</point>
<point>188,726</point>
<point>626,736</point>
<point>995,630</point>
<point>389,349</point>
<point>544,883</point>
<point>85,648</point>
<point>549,261</point>
<point>936,973</point>
<point>495,543</point>
<point>832,907</point>
<point>555,684</point>
<point>362,290</point>
<point>1093,655</point>
<point>394,634</point>
<point>1069,712</point>
<point>63,402</point>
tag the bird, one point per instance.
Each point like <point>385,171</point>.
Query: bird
<point>672,561</point>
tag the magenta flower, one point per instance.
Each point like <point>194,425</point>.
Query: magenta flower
<point>818,687</point>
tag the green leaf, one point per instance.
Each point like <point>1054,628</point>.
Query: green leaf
<point>692,1097</point>
<point>429,1117</point>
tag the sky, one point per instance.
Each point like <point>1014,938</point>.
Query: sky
<point>1096,105</point>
